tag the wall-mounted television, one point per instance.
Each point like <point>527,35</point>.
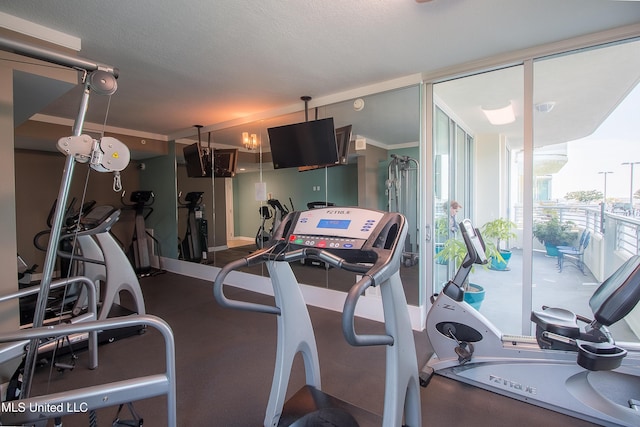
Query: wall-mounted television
<point>225,162</point>
<point>343,138</point>
<point>199,164</point>
<point>304,144</point>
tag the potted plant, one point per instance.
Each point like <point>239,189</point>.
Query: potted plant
<point>442,234</point>
<point>499,230</point>
<point>553,233</point>
<point>455,250</point>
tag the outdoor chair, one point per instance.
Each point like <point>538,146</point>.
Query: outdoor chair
<point>574,255</point>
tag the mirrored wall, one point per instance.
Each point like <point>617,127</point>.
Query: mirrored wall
<point>381,171</point>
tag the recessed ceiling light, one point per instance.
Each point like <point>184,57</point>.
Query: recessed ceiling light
<point>500,115</point>
<point>545,107</point>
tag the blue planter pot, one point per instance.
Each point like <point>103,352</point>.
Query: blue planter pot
<point>501,265</point>
<point>552,250</point>
<point>474,297</point>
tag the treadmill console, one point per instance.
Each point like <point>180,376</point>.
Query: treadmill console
<point>334,228</point>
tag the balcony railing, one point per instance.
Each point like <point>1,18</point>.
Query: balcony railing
<point>624,230</point>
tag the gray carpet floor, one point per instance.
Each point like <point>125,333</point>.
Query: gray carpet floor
<point>225,362</point>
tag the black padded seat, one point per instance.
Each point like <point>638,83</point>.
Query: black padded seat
<point>558,321</point>
<point>617,295</point>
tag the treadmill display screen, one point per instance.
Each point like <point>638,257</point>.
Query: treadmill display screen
<point>335,227</point>
<point>335,224</point>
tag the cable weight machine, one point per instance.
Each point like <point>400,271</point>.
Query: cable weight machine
<point>402,191</point>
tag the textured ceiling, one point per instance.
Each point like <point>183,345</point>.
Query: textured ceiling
<point>210,62</point>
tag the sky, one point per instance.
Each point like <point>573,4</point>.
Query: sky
<point>616,141</point>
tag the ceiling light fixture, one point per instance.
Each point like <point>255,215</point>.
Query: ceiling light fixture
<point>250,142</point>
<point>501,115</point>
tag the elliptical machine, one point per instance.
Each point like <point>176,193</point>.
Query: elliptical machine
<point>359,240</point>
<point>279,212</point>
<point>62,301</point>
<point>194,246</point>
<point>263,236</point>
<point>577,371</point>
<point>139,251</point>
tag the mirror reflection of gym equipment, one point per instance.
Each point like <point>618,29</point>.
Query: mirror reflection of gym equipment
<point>105,154</point>
<point>364,241</point>
<point>194,246</point>
<point>274,216</point>
<point>573,365</point>
<point>140,250</point>
<point>402,190</point>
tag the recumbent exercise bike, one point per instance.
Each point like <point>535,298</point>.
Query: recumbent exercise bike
<point>581,372</point>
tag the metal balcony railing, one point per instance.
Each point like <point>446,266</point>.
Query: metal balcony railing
<point>623,230</point>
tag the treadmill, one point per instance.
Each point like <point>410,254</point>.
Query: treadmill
<point>364,241</point>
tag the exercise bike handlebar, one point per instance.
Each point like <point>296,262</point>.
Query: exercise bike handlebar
<point>272,254</point>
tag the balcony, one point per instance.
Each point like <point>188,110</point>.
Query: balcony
<point>615,238</point>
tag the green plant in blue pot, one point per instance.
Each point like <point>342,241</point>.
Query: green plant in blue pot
<point>455,250</point>
<point>494,234</point>
<point>552,232</point>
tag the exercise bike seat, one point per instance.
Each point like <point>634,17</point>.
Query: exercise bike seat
<point>558,321</point>
<point>618,294</point>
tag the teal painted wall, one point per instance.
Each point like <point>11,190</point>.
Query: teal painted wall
<point>342,189</point>
<point>159,176</point>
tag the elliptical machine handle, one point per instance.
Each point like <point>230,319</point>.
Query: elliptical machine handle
<point>218,291</point>
<point>348,317</point>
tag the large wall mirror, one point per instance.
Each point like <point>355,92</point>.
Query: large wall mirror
<point>381,172</point>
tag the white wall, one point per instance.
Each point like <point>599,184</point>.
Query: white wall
<point>491,180</point>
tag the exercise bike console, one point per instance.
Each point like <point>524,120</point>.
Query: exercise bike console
<point>475,255</point>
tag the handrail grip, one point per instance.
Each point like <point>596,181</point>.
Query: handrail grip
<point>349,313</point>
<point>92,302</point>
<point>113,393</point>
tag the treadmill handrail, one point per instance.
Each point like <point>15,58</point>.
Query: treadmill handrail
<point>218,286</point>
<point>348,313</point>
<point>108,394</point>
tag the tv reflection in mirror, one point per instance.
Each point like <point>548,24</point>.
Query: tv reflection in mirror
<point>196,161</point>
<point>199,164</point>
<point>343,138</point>
<point>304,144</point>
<point>225,162</point>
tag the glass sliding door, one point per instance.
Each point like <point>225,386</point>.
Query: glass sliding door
<point>585,148</point>
<point>564,176</point>
<point>477,150</point>
<point>452,196</point>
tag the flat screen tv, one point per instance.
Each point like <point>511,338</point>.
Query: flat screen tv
<point>199,164</point>
<point>304,144</point>
<point>225,162</point>
<point>343,138</point>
